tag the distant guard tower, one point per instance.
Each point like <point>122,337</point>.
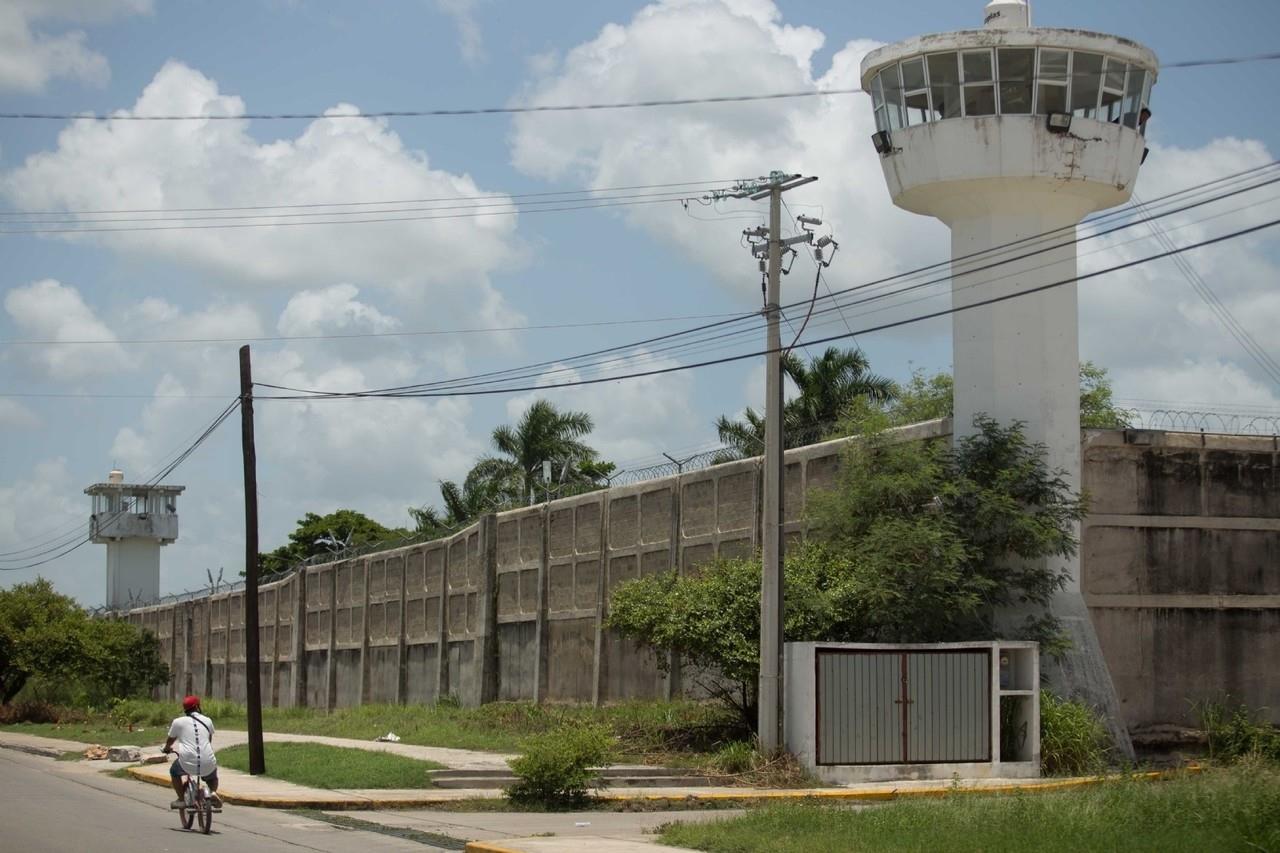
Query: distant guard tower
<point>133,521</point>
<point>1008,133</point>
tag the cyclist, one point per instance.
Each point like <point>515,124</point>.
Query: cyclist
<point>193,734</point>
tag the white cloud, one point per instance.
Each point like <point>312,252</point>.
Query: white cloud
<point>329,310</point>
<point>440,262</point>
<point>47,310</point>
<point>14,415</point>
<point>689,48</point>
<point>31,57</point>
<point>1147,318</point>
<point>470,39</point>
<point>1147,324</point>
<point>633,419</point>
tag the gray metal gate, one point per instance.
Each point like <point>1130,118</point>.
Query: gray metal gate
<point>917,707</point>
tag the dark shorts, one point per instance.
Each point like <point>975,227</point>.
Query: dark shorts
<point>176,772</point>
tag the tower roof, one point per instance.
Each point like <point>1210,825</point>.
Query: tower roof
<point>133,489</point>
<point>1083,40</point>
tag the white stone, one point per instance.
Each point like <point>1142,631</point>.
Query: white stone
<point>124,753</point>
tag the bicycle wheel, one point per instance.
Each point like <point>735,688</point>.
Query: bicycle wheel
<point>204,812</point>
<point>186,817</point>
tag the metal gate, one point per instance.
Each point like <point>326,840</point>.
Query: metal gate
<point>916,707</point>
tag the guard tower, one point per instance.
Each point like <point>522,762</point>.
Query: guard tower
<point>133,521</point>
<point>1011,135</point>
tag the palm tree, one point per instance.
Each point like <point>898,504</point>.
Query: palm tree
<point>543,434</point>
<point>741,438</point>
<point>827,385</point>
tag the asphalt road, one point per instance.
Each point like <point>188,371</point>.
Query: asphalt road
<point>48,805</point>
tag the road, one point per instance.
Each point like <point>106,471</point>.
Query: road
<point>48,805</point>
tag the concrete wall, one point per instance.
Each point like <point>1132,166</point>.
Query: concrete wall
<point>1181,565</point>
<point>1179,570</point>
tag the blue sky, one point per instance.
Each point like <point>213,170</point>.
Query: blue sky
<point>1158,341</point>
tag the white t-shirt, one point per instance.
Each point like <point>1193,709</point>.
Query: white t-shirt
<point>193,737</point>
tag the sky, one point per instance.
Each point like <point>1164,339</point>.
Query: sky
<point>601,278</point>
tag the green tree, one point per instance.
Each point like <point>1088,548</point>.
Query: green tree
<point>918,542</point>
<point>543,434</point>
<point>46,637</point>
<point>325,534</point>
<point>826,386</point>
<point>40,634</point>
<point>1098,409</point>
<point>927,397</point>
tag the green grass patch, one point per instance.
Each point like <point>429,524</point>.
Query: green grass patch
<point>96,730</point>
<point>645,730</point>
<point>319,766</point>
<point>1234,808</point>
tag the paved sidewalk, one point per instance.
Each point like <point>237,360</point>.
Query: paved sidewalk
<point>39,745</point>
<point>504,828</point>
<point>454,759</point>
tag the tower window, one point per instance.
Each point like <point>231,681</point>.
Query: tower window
<point>979,83</point>
<point>1086,83</point>
<point>944,84</point>
<point>1051,94</point>
<point>1017,66</point>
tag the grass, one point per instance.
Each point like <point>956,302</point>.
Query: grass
<point>96,730</point>
<point>1235,808</point>
<point>646,731</point>
<point>320,766</point>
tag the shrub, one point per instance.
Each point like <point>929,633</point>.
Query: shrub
<point>1073,739</point>
<point>38,711</point>
<point>1236,732</point>
<point>557,767</point>
<point>735,758</point>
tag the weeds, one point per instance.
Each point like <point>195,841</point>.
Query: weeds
<point>1235,732</point>
<point>1073,740</point>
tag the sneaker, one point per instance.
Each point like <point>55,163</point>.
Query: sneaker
<point>178,804</point>
<point>215,801</point>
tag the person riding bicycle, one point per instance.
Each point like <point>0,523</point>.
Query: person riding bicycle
<point>193,733</point>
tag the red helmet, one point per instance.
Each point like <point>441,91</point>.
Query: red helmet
<point>190,703</point>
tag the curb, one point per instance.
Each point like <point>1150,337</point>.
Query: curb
<point>745,796</point>
<point>487,847</point>
<point>42,751</point>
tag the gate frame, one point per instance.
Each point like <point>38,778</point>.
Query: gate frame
<point>801,712</point>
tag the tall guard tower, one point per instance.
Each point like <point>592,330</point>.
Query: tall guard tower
<point>133,521</point>
<point>1011,135</point>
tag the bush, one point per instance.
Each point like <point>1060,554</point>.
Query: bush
<point>1236,732</point>
<point>38,712</point>
<point>557,768</point>
<point>1073,739</point>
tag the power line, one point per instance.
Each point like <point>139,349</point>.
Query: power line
<point>164,472</point>
<point>1215,304</point>
<point>538,108</point>
<point>315,204</point>
<point>468,205</point>
<point>373,220</point>
<point>357,335</point>
<point>1222,185</point>
<point>536,369</point>
<point>464,392</point>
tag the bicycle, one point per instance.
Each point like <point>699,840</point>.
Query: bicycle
<point>198,804</point>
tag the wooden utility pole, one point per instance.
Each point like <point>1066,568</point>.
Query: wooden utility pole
<point>252,668</point>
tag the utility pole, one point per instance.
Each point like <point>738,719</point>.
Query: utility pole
<point>769,727</point>
<point>252,668</point>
